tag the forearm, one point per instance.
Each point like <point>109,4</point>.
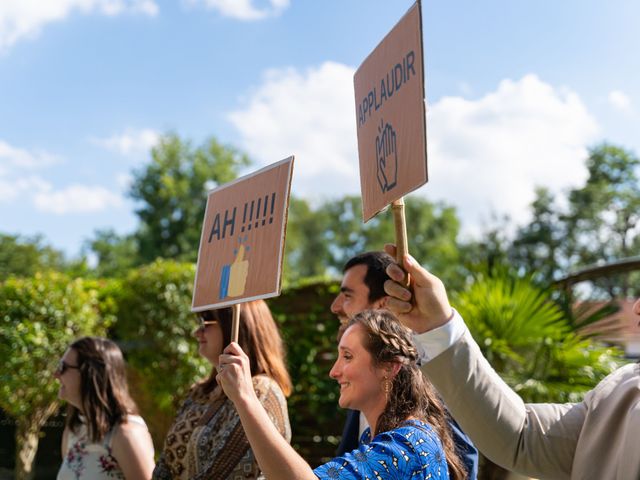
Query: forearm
<point>277,459</point>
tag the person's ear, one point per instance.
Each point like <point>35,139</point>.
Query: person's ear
<point>392,369</point>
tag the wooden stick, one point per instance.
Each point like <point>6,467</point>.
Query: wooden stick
<point>235,324</point>
<point>402,246</point>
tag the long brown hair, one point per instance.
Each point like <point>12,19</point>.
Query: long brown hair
<point>259,338</point>
<point>411,394</point>
<point>104,391</point>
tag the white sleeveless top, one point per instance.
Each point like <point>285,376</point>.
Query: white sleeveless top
<point>85,460</point>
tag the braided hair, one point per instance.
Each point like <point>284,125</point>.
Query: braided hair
<point>411,395</point>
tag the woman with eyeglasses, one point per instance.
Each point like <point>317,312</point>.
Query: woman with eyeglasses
<point>104,437</point>
<point>206,439</point>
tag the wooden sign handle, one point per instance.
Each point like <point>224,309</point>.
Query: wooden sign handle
<point>235,323</point>
<point>402,246</point>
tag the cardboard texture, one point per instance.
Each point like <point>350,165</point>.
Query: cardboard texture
<point>242,242</point>
<point>390,116</point>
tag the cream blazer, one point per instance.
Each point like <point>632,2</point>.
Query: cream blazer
<point>598,438</point>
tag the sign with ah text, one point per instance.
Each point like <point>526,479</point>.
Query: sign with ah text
<point>390,116</point>
<point>242,243</point>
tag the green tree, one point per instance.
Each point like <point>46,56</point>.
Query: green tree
<point>172,192</point>
<point>598,225</point>
<point>23,256</point>
<point>537,246</point>
<point>604,214</point>
<point>155,327</point>
<point>40,316</point>
<point>115,254</point>
<point>321,240</point>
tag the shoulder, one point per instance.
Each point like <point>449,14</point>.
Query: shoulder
<point>415,435</point>
<point>612,381</point>
<point>129,432</point>
<point>265,386</point>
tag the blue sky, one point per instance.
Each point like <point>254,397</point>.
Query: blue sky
<point>516,93</point>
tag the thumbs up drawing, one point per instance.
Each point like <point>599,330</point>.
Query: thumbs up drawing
<point>238,274</point>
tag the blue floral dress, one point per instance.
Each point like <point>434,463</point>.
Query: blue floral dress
<point>411,451</point>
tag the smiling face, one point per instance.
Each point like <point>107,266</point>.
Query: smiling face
<point>354,295</point>
<point>70,379</point>
<point>360,381</point>
<point>210,342</point>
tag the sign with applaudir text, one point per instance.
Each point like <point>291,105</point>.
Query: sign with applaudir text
<point>390,116</point>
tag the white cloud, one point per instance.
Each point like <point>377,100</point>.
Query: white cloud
<point>619,100</point>
<point>77,199</point>
<point>131,142</point>
<point>14,162</point>
<point>310,115</point>
<point>244,9</point>
<point>485,156</point>
<point>12,188</point>
<point>21,158</point>
<point>25,18</point>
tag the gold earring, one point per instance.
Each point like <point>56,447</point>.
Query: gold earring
<point>386,386</point>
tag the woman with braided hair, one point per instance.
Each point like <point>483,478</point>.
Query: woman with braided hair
<point>378,375</point>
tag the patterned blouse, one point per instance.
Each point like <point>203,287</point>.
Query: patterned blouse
<point>86,460</point>
<point>411,451</point>
<point>207,441</point>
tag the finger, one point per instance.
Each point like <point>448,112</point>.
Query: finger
<point>419,276</point>
<point>397,291</point>
<point>233,349</point>
<point>390,248</point>
<point>395,272</point>
<point>398,306</point>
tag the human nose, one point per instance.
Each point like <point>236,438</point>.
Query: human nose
<point>636,307</point>
<point>335,370</point>
<point>336,305</point>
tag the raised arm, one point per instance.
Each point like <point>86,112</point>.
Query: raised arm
<point>537,440</point>
<point>277,459</point>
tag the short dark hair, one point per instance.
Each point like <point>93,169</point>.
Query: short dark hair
<point>376,263</point>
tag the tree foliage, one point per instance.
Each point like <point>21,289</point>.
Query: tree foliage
<point>155,328</point>
<point>40,317</point>
<point>529,341</point>
<point>320,240</point>
<point>171,192</point>
<point>23,257</point>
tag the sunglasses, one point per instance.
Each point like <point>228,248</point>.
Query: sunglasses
<point>64,366</point>
<point>205,323</point>
<point>206,318</point>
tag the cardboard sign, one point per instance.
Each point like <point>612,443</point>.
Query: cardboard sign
<point>242,243</point>
<point>390,116</point>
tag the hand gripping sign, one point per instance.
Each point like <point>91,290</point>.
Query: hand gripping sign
<point>242,242</point>
<point>390,120</point>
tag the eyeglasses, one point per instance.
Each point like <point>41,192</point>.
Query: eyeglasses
<point>64,366</point>
<point>205,323</point>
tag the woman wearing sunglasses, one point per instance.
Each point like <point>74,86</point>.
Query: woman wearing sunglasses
<point>206,439</point>
<point>104,436</point>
